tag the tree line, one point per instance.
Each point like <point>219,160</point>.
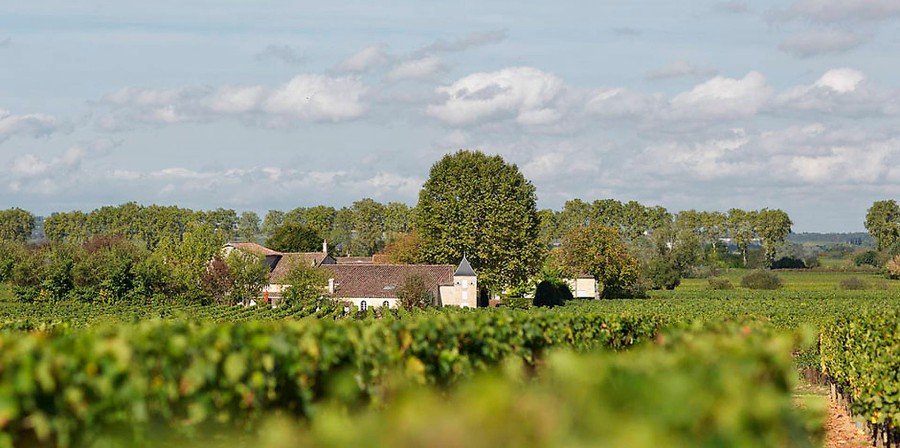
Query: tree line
<point>472,205</point>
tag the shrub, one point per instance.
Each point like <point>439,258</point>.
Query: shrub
<point>517,303</point>
<point>893,268</point>
<point>719,284</point>
<point>550,294</point>
<point>789,263</point>
<point>867,258</point>
<point>761,279</point>
<point>663,274</point>
<point>812,262</point>
<point>414,293</point>
<point>852,284</point>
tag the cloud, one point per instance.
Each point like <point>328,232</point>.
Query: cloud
<point>467,42</point>
<point>305,98</point>
<point>366,59</point>
<point>31,171</point>
<point>679,69</point>
<point>814,43</point>
<point>842,91</point>
<point>33,125</point>
<point>723,98</point>
<point>283,53</point>
<point>832,11</point>
<point>5,42</point>
<point>624,103</point>
<point>424,67</point>
<point>732,7</point>
<point>527,95</point>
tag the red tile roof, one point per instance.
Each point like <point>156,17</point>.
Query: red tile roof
<point>255,249</point>
<point>379,281</point>
<point>291,260</point>
<point>355,260</point>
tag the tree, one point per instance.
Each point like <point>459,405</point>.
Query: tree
<point>294,237</point>
<point>551,293</point>
<point>248,226</point>
<point>740,226</point>
<point>414,293</point>
<point>575,213</point>
<point>341,233</point>
<point>405,249</point>
<point>883,223</point>
<point>16,225</point>
<point>368,227</point>
<point>549,226</point>
<point>273,220</point>
<point>480,206</point>
<point>320,219</point>
<point>397,219</point>
<point>187,258</point>
<point>772,227</point>
<point>599,251</point>
<point>307,286</point>
<point>249,276</point>
<point>216,280</point>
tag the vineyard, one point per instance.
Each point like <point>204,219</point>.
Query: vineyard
<point>89,374</point>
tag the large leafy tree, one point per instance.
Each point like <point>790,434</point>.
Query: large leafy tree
<point>248,226</point>
<point>16,225</point>
<point>772,227</point>
<point>741,225</point>
<point>368,227</point>
<point>883,223</point>
<point>480,206</point>
<point>600,252</point>
<point>294,237</point>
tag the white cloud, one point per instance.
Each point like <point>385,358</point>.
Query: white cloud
<point>620,102</point>
<point>841,91</point>
<point>53,173</point>
<point>366,59</point>
<point>424,67</point>
<point>527,95</point>
<point>34,125</point>
<point>680,69</point>
<point>316,98</point>
<point>724,98</point>
<point>814,43</point>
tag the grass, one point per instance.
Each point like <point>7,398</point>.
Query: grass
<point>800,280</point>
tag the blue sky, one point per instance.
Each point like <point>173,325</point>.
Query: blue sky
<point>272,104</point>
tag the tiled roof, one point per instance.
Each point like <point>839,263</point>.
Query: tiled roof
<point>355,260</point>
<point>291,260</point>
<point>255,249</point>
<point>380,281</point>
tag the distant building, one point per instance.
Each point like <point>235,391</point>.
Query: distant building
<point>367,281</point>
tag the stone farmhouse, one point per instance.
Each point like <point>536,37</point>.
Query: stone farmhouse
<point>366,281</point>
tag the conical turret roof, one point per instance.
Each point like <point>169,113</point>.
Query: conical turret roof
<point>464,269</point>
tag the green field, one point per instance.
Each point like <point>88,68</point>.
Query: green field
<point>810,280</point>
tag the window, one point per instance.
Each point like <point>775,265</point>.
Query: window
<point>386,304</point>
<point>363,306</point>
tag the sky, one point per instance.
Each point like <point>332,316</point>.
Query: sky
<point>709,105</point>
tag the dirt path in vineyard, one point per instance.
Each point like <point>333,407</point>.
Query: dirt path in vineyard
<point>840,429</point>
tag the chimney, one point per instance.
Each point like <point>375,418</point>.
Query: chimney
<point>330,286</point>
<point>325,246</point>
